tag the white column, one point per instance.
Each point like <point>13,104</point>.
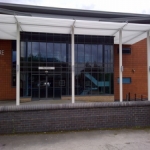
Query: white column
<point>18,67</point>
<point>148,64</point>
<point>72,65</point>
<point>120,65</point>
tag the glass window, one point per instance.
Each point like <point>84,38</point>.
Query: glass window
<point>35,51</point>
<point>93,64</point>
<point>43,54</point>
<point>125,80</point>
<point>13,63</point>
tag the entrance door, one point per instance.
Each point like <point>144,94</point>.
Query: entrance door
<point>46,86</point>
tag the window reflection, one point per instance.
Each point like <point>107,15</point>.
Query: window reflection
<point>93,63</point>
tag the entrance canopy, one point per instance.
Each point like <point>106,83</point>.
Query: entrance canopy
<point>131,33</point>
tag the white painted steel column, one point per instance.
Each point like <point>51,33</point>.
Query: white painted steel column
<point>18,67</point>
<point>148,64</point>
<point>120,65</point>
<point>72,65</point>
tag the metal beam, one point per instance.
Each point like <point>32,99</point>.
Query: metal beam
<point>120,29</point>
<point>73,26</point>
<point>72,65</point>
<point>148,63</point>
<point>18,22</point>
<point>120,66</point>
<point>18,67</point>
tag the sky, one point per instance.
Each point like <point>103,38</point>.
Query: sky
<point>128,6</point>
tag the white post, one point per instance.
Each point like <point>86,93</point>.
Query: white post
<point>120,65</point>
<point>72,64</point>
<point>148,64</point>
<point>18,67</point>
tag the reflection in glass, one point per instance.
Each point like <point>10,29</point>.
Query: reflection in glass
<point>93,65</point>
<point>43,55</point>
<point>35,51</point>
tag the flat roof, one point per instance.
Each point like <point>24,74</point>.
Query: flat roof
<point>101,15</point>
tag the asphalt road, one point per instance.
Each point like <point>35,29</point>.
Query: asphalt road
<point>126,139</point>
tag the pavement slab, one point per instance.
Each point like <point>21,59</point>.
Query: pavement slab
<point>123,139</point>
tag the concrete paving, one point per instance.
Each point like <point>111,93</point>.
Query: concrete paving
<point>38,102</point>
<point>126,139</point>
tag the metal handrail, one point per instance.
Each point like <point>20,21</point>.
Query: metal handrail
<point>137,97</point>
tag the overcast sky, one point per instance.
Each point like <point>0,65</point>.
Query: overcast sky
<point>130,6</point>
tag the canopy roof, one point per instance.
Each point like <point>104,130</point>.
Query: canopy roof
<point>131,33</point>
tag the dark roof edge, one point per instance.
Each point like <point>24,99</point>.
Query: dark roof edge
<point>41,9</point>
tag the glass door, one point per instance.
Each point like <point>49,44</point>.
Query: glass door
<point>43,87</point>
<point>50,86</point>
<point>46,86</point>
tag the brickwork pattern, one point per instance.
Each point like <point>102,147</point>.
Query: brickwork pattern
<point>137,61</point>
<point>7,92</point>
<point>67,117</point>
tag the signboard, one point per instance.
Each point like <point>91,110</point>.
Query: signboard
<point>46,68</point>
<point>1,52</point>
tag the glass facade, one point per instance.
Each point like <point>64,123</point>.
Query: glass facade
<point>93,65</point>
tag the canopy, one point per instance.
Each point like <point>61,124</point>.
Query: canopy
<point>131,33</point>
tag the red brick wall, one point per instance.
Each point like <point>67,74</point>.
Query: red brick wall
<point>137,60</point>
<point>7,92</point>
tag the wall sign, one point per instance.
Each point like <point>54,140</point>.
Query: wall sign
<point>46,68</point>
<point>1,52</point>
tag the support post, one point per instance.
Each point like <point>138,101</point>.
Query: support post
<point>120,65</point>
<point>18,67</point>
<point>72,65</point>
<point>148,64</point>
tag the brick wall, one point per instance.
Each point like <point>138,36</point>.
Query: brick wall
<point>7,92</point>
<point>137,60</point>
<point>81,116</point>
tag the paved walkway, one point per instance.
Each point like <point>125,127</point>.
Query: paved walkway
<point>84,140</point>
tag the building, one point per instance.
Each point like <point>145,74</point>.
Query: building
<point>53,53</point>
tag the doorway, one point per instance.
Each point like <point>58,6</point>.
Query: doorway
<point>46,86</point>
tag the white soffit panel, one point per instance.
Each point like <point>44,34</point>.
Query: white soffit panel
<point>93,32</point>
<point>132,33</point>
<point>137,38</point>
<point>7,19</point>
<point>45,29</point>
<point>37,21</point>
<point>137,27</point>
<point>6,36</point>
<point>98,25</point>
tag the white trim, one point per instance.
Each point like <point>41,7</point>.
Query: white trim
<point>120,65</point>
<point>72,65</point>
<point>18,67</point>
<point>148,65</point>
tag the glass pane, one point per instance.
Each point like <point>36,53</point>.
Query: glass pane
<point>100,53</point>
<point>64,54</point>
<point>23,54</point>
<point>42,85</point>
<point>50,85</point>
<point>35,51</point>
<point>81,53</point>
<point>57,52</point>
<point>43,55</point>
<point>87,53</point>
<point>35,86</point>
<point>50,54</point>
<point>29,51</point>
<point>94,54</point>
